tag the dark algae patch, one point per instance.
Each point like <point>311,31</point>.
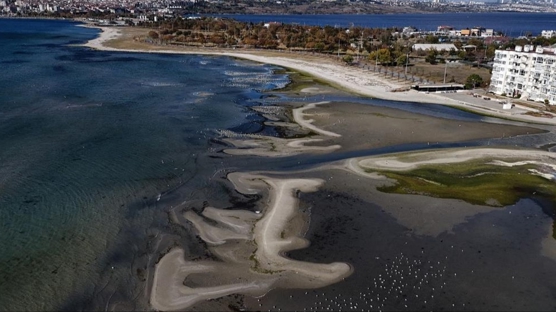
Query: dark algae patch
<point>477,183</point>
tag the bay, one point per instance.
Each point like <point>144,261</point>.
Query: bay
<point>513,24</point>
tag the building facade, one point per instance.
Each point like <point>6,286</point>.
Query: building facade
<point>527,72</point>
<point>548,33</point>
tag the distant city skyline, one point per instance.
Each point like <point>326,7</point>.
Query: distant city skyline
<point>174,7</point>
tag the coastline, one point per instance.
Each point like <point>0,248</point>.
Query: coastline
<point>351,79</point>
<point>254,269</point>
<point>182,184</point>
<point>253,246</point>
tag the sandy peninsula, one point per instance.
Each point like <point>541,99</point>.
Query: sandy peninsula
<point>250,247</point>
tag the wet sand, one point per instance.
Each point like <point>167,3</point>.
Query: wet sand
<point>419,253</point>
<point>250,248</point>
<point>365,127</point>
<point>258,253</point>
<point>310,228</point>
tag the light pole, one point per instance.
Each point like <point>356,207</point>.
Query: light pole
<point>360,48</point>
<point>376,60</point>
<point>406,62</point>
<point>445,69</point>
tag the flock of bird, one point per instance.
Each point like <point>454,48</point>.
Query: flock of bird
<point>403,283</point>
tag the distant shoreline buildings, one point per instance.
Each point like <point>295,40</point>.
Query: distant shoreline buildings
<point>179,7</point>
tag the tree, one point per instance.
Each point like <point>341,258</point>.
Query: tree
<point>319,46</point>
<point>348,59</point>
<point>402,60</point>
<point>431,56</point>
<point>473,81</point>
<point>383,56</point>
<point>153,34</point>
<point>490,51</point>
<point>431,39</point>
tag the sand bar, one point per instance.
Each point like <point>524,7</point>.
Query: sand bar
<point>269,146</point>
<point>410,161</point>
<point>299,117</point>
<point>250,246</point>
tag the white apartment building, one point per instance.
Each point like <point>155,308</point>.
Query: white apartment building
<point>527,72</point>
<point>548,33</point>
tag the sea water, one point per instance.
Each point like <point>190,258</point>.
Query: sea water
<point>88,138</point>
<point>97,148</point>
<point>512,24</point>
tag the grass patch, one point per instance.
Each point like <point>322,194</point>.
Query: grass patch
<point>298,82</point>
<point>257,266</point>
<point>301,80</point>
<point>474,182</point>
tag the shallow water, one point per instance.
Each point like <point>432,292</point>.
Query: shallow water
<point>492,260</point>
<point>88,139</point>
<point>96,149</point>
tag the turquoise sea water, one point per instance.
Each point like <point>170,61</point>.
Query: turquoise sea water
<point>96,148</point>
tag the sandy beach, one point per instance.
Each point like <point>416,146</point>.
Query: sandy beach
<point>350,78</point>
<point>276,245</point>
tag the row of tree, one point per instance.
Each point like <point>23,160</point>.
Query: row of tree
<point>385,46</point>
<point>228,32</point>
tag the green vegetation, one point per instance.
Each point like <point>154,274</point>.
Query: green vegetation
<point>474,182</point>
<point>382,56</point>
<point>300,81</point>
<point>348,59</point>
<point>473,81</point>
<point>431,56</point>
<point>257,266</point>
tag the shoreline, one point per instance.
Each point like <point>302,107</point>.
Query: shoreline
<point>286,227</point>
<point>253,245</point>
<point>351,79</point>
